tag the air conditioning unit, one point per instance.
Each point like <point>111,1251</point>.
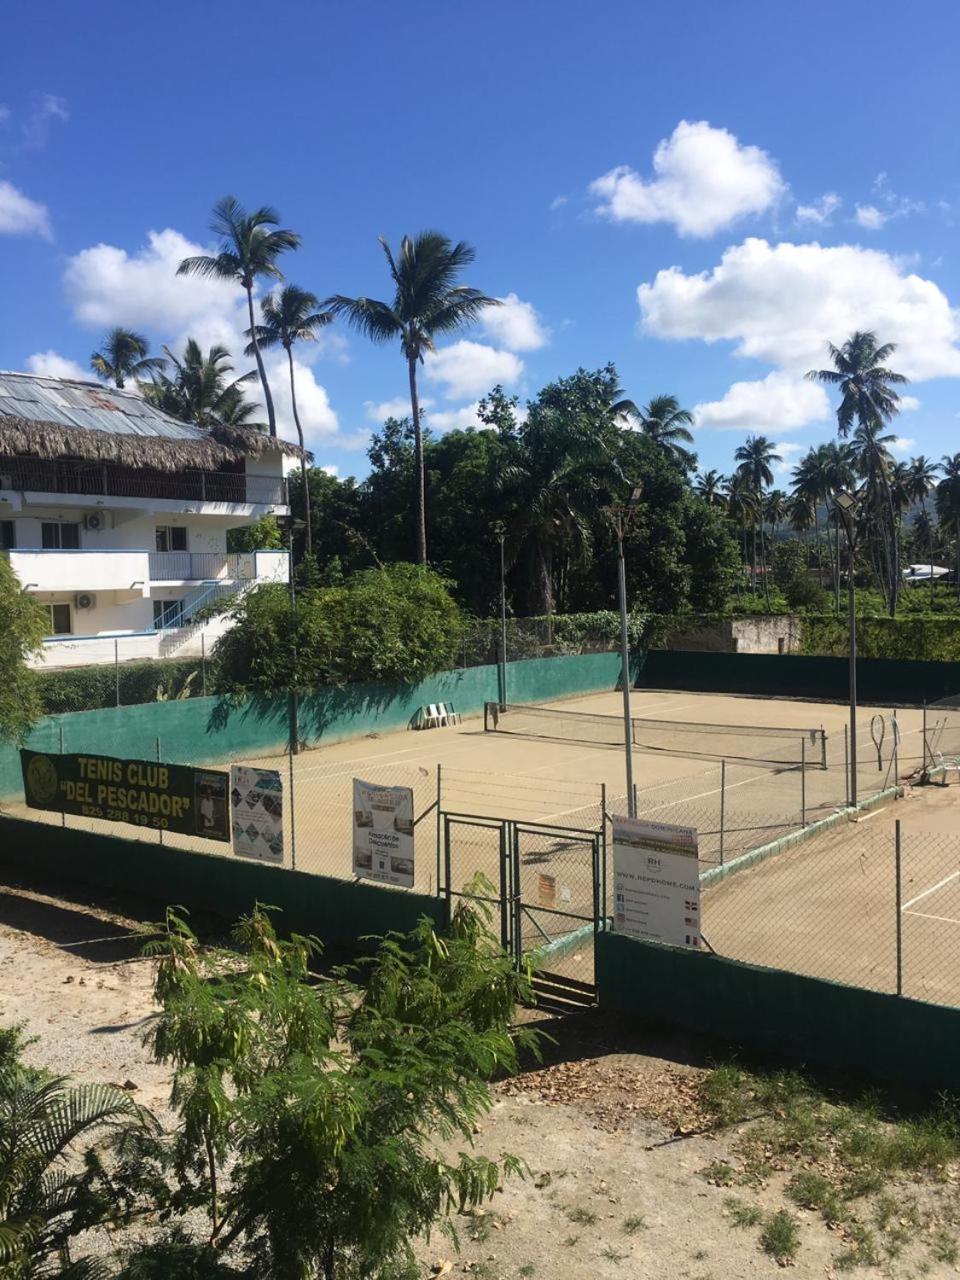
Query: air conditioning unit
<point>97,521</point>
<point>85,600</point>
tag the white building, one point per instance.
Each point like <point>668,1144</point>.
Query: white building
<point>114,516</point>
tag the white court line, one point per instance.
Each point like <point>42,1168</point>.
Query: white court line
<point>927,892</point>
<point>922,915</point>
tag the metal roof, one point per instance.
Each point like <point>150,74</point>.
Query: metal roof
<point>88,406</point>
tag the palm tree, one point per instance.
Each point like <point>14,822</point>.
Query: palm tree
<point>708,485</point>
<point>948,504</point>
<point>754,459</point>
<point>291,316</point>
<point>248,250</point>
<point>922,481</point>
<point>199,390</point>
<point>741,504</point>
<point>124,355</point>
<point>868,398</point>
<point>427,302</point>
<point>774,513</point>
<point>665,423</point>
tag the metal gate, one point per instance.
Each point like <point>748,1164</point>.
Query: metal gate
<point>546,885</point>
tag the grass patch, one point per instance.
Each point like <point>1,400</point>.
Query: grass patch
<point>528,1269</point>
<point>743,1215</point>
<point>582,1216</point>
<point>611,1254</point>
<point>720,1173</point>
<point>780,1237</point>
<point>944,1248</point>
<point>636,1222</point>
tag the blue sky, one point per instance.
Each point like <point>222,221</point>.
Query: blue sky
<point>703,193</point>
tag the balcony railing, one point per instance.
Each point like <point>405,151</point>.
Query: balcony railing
<point>109,481</point>
<point>201,566</point>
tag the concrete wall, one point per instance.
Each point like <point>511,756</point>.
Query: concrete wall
<point>805,1020</point>
<point>217,729</point>
<point>760,634</point>
<point>337,910</point>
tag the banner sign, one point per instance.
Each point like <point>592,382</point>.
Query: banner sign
<point>383,833</point>
<point>656,882</point>
<point>256,813</point>
<point>163,797</point>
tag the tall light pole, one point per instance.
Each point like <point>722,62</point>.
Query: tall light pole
<point>501,533</point>
<point>846,504</point>
<point>620,515</point>
<point>292,700</point>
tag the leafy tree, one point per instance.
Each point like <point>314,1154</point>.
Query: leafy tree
<point>200,390</point>
<point>427,303</point>
<point>921,483</point>
<point>667,425</point>
<point>42,1202</point>
<point>311,1114</point>
<point>263,535</point>
<point>754,459</point>
<point>398,622</point>
<point>709,487</point>
<point>289,317</point>
<point>248,251</point>
<point>948,504</point>
<point>23,624</point>
<point>124,354</point>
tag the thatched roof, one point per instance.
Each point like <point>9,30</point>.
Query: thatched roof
<point>44,417</point>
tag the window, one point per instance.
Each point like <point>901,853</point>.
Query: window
<point>57,536</point>
<point>171,538</point>
<point>8,535</point>
<point>167,613</point>
<point>59,614</point>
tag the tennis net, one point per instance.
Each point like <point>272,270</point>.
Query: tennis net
<point>762,744</point>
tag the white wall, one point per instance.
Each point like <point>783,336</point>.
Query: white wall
<point>82,570</point>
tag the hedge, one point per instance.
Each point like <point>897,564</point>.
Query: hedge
<point>89,688</point>
<point>914,637</point>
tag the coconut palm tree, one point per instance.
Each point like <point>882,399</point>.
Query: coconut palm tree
<point>199,390</point>
<point>248,251</point>
<point>292,315</point>
<point>741,504</point>
<point>664,422</point>
<point>754,459</point>
<point>922,481</point>
<point>948,504</point>
<point>868,397</point>
<point>427,303</point>
<point>708,485</point>
<point>124,354</point>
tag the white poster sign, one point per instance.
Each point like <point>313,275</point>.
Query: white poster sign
<point>256,813</point>
<point>656,882</point>
<point>383,833</point>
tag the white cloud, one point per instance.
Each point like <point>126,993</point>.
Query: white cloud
<point>870,217</point>
<point>52,365</point>
<point>332,470</point>
<point>397,407</point>
<point>558,202</point>
<point>902,446</point>
<point>455,419</point>
<point>789,451</point>
<point>782,303</point>
<point>821,210</point>
<point>46,108</point>
<point>514,325</point>
<point>21,216</point>
<point>909,403</point>
<point>779,402</point>
<point>317,417</point>
<point>704,181</point>
<point>471,368</point>
<point>4,113</point>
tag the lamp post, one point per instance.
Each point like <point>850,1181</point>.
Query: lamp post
<point>500,531</point>
<point>294,710</point>
<point>620,515</point>
<point>846,504</point>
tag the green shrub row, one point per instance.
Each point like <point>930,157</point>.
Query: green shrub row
<point>916,637</point>
<point>89,688</point>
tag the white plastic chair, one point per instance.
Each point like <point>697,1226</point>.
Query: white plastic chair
<point>451,714</point>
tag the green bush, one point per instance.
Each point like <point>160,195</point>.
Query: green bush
<point>395,623</point>
<point>89,688</point>
<point>22,627</point>
<point>916,637</point>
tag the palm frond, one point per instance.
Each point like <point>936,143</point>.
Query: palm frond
<point>375,320</point>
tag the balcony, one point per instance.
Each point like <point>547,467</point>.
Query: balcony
<point>35,475</point>
<point>124,572</point>
<point>201,566</point>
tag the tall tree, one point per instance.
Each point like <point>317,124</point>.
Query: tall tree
<point>248,251</point>
<point>292,315</point>
<point>201,390</point>
<point>427,303</point>
<point>124,354</point>
<point>948,505</point>
<point>754,458</point>
<point>708,485</point>
<point>921,483</point>
<point>868,398</point>
<point>665,423</point>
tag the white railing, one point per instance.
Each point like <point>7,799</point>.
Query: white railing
<point>39,475</point>
<point>201,566</point>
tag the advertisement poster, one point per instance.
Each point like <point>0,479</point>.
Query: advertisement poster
<point>383,833</point>
<point>162,797</point>
<point>256,813</point>
<point>656,882</point>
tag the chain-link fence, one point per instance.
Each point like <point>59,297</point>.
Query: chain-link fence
<point>871,907</point>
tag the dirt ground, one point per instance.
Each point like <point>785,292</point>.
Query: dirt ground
<point>608,1127</point>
